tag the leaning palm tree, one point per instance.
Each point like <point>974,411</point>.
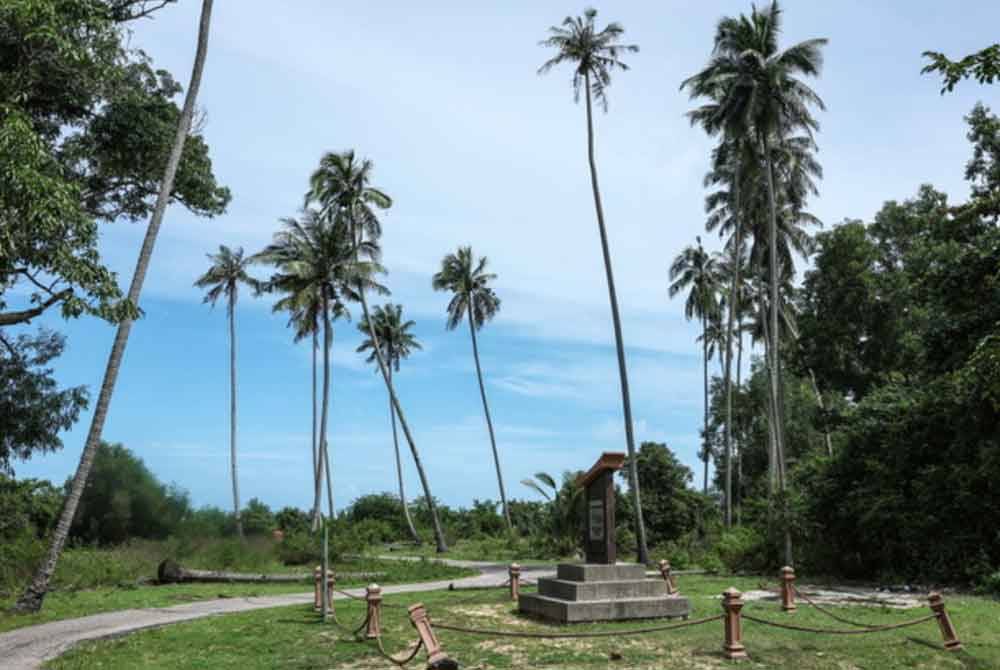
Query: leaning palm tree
<point>695,269</point>
<point>340,185</point>
<point>594,54</point>
<point>33,596</point>
<point>223,279</point>
<point>315,257</point>
<point>475,301</point>
<point>397,343</point>
<point>756,89</point>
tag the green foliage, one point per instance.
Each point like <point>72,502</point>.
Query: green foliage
<point>124,500</point>
<point>86,124</point>
<point>983,66</point>
<point>30,507</point>
<point>292,520</point>
<point>990,585</point>
<point>743,548</point>
<point>33,410</point>
<point>257,518</point>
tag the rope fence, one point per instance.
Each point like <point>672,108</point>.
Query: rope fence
<point>731,618</point>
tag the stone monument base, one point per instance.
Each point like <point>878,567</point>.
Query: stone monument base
<point>597,592</point>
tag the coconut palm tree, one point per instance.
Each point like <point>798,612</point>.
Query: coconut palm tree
<point>314,256</point>
<point>340,186</point>
<point>397,343</point>
<point>594,54</point>
<point>694,269</point>
<point>34,595</point>
<point>475,301</point>
<point>223,278</point>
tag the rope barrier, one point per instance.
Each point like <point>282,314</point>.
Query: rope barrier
<point>562,636</point>
<point>828,613</point>
<point>400,661</point>
<point>832,631</point>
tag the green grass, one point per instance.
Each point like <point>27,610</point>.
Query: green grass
<point>293,638</point>
<point>500,550</point>
<point>69,604</point>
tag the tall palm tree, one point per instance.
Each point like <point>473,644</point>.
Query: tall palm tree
<point>594,54</point>
<point>340,185</point>
<point>397,343</point>
<point>34,595</point>
<point>475,301</point>
<point>316,257</point>
<point>756,92</point>
<point>695,269</point>
<point>223,278</point>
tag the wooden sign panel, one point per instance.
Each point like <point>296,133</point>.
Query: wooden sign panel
<point>599,534</point>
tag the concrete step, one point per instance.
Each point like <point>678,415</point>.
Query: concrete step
<point>598,572</point>
<point>593,590</point>
<point>569,611</point>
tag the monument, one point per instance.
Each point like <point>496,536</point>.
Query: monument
<point>601,589</point>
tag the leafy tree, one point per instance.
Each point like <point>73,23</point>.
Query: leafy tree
<point>257,518</point>
<point>594,54</point>
<point>292,520</point>
<point>223,278</point>
<point>341,186</point>
<point>474,300</point>
<point>694,269</point>
<point>983,65</point>
<point>30,506</point>
<point>672,509</point>
<point>33,596</point>
<point>33,410</point>
<point>397,342</point>
<point>124,500</point>
<point>86,126</point>
<point>565,508</point>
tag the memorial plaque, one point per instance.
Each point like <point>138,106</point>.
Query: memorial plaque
<point>596,520</point>
<point>599,537</point>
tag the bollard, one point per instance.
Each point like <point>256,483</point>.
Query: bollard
<point>436,658</point>
<point>373,594</point>
<point>317,594</point>
<point>515,581</point>
<point>788,589</point>
<point>668,577</point>
<point>732,603</point>
<point>951,641</point>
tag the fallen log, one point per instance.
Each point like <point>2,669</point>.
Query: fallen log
<point>170,572</point>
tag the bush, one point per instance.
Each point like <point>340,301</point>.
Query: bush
<point>990,585</point>
<point>257,518</point>
<point>300,548</point>
<point>742,548</point>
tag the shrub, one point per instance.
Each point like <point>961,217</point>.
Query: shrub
<point>300,548</point>
<point>742,548</point>
<point>990,585</point>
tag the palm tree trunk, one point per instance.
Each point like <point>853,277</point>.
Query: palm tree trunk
<point>442,545</point>
<point>326,443</point>
<point>232,411</point>
<point>704,366</point>
<point>33,596</point>
<point>315,447</point>
<point>633,470</point>
<point>399,466</point>
<point>489,421</point>
<point>727,375</point>
<point>324,412</point>
<point>740,432</point>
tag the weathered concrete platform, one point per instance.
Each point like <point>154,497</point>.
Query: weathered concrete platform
<point>597,592</point>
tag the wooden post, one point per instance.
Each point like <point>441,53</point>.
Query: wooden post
<point>732,603</point>
<point>436,658</point>
<point>951,641</point>
<point>317,593</point>
<point>373,594</point>
<point>788,589</point>
<point>668,577</point>
<point>515,581</point>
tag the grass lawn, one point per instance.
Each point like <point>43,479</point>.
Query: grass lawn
<point>70,604</point>
<point>490,549</point>
<point>293,638</point>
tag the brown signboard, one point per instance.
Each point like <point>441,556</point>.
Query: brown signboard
<point>599,493</point>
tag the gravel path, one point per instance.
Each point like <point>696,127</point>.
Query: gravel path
<point>28,648</point>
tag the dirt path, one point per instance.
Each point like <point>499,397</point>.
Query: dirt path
<point>28,648</point>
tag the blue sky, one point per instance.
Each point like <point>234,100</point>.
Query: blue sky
<point>476,149</point>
